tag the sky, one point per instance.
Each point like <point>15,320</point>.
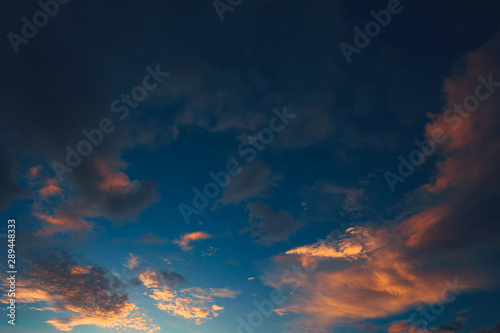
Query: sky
<point>250,166</point>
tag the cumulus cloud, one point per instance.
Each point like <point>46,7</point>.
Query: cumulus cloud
<point>357,243</point>
<point>190,303</point>
<point>379,277</point>
<point>159,278</point>
<point>51,188</point>
<point>89,294</point>
<point>352,196</point>
<point>133,262</point>
<point>193,303</point>
<point>42,125</point>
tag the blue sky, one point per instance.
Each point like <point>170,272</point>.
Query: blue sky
<point>371,207</point>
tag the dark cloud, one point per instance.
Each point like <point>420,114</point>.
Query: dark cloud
<point>171,279</point>
<point>365,327</point>
<point>62,282</point>
<point>253,180</point>
<point>494,329</point>
<point>268,226</point>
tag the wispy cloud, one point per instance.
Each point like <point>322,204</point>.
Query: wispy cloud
<point>185,241</point>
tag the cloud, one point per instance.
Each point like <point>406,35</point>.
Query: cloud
<point>88,293</point>
<point>193,303</point>
<point>50,189</point>
<point>190,303</point>
<point>160,278</point>
<point>467,170</point>
<point>116,196</point>
<point>133,262</point>
<point>380,271</point>
<point>377,277</point>
<point>63,221</point>
<point>269,227</point>
<point>185,241</point>
<point>253,180</point>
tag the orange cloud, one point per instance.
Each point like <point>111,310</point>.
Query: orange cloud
<point>399,328</point>
<point>471,145</point>
<point>34,171</point>
<point>384,271</point>
<point>89,294</point>
<point>192,303</point>
<point>112,180</point>
<point>185,241</point>
<point>133,262</point>
<point>380,278</point>
<point>62,222</point>
<point>50,189</point>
